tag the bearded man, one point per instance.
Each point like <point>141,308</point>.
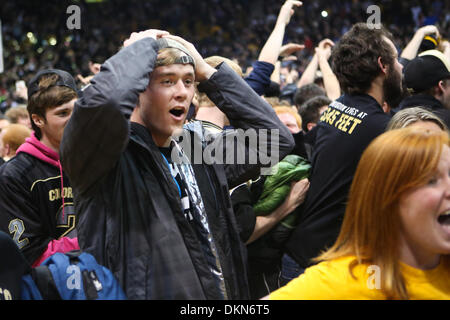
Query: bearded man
<point>365,62</point>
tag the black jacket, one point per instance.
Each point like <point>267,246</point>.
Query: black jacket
<point>344,131</point>
<point>13,267</point>
<point>31,202</point>
<point>429,102</point>
<point>131,218</point>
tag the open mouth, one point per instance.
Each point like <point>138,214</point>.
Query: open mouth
<point>177,112</point>
<point>444,219</point>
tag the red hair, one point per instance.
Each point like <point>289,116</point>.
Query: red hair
<point>392,164</point>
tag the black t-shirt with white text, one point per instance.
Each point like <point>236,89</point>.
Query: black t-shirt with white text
<point>344,131</point>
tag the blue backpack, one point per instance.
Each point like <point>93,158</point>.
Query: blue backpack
<point>73,275</point>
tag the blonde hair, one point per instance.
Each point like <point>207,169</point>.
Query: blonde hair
<point>214,61</point>
<point>408,116</point>
<point>394,163</point>
<point>13,114</point>
<point>290,110</point>
<point>15,135</point>
<point>168,56</point>
<point>275,101</point>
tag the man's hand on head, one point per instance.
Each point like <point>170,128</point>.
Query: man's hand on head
<point>203,70</point>
<point>150,33</point>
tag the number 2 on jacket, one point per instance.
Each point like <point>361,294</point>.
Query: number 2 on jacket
<point>17,228</point>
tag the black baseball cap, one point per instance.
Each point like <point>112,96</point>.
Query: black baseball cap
<point>426,70</point>
<point>65,79</point>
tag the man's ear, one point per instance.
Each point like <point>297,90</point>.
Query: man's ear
<point>441,85</point>
<point>38,120</point>
<point>383,67</point>
<point>386,108</point>
<point>135,116</point>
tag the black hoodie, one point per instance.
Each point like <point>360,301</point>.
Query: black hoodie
<point>427,101</point>
<point>36,202</point>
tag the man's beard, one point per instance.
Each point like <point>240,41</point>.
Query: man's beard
<point>392,88</point>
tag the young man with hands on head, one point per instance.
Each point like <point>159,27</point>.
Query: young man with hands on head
<point>166,229</point>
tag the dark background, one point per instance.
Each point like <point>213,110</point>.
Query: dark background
<point>231,28</point>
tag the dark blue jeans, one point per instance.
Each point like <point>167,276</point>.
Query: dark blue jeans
<point>290,269</point>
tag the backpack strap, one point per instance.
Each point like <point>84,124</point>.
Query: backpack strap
<point>90,283</point>
<point>43,278</point>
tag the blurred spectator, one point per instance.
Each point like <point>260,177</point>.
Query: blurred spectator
<point>427,78</point>
<point>416,44</point>
<point>4,122</point>
<point>275,101</point>
<point>19,115</point>
<point>94,68</point>
<point>212,118</point>
<point>290,118</point>
<point>307,92</point>
<point>311,111</point>
<point>416,116</point>
<point>35,35</point>
<point>11,138</point>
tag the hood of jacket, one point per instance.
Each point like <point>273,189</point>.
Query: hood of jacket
<point>37,149</point>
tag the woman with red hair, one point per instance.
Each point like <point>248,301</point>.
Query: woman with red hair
<point>395,238</point>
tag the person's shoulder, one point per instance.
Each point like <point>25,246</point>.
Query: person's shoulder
<point>370,113</point>
<point>336,279</point>
<point>319,282</point>
<point>361,102</point>
<point>17,166</point>
<point>337,268</point>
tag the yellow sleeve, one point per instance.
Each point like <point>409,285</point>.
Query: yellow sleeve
<point>319,282</point>
<point>330,280</point>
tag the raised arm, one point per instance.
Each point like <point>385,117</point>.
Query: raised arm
<point>271,49</point>
<point>259,78</point>
<point>330,81</point>
<point>309,74</point>
<point>411,49</point>
<point>253,119</point>
<point>98,130</point>
<point>323,50</point>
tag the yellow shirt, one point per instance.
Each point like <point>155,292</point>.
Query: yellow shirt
<point>331,280</point>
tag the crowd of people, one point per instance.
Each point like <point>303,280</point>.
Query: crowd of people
<point>35,35</point>
<point>138,149</point>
